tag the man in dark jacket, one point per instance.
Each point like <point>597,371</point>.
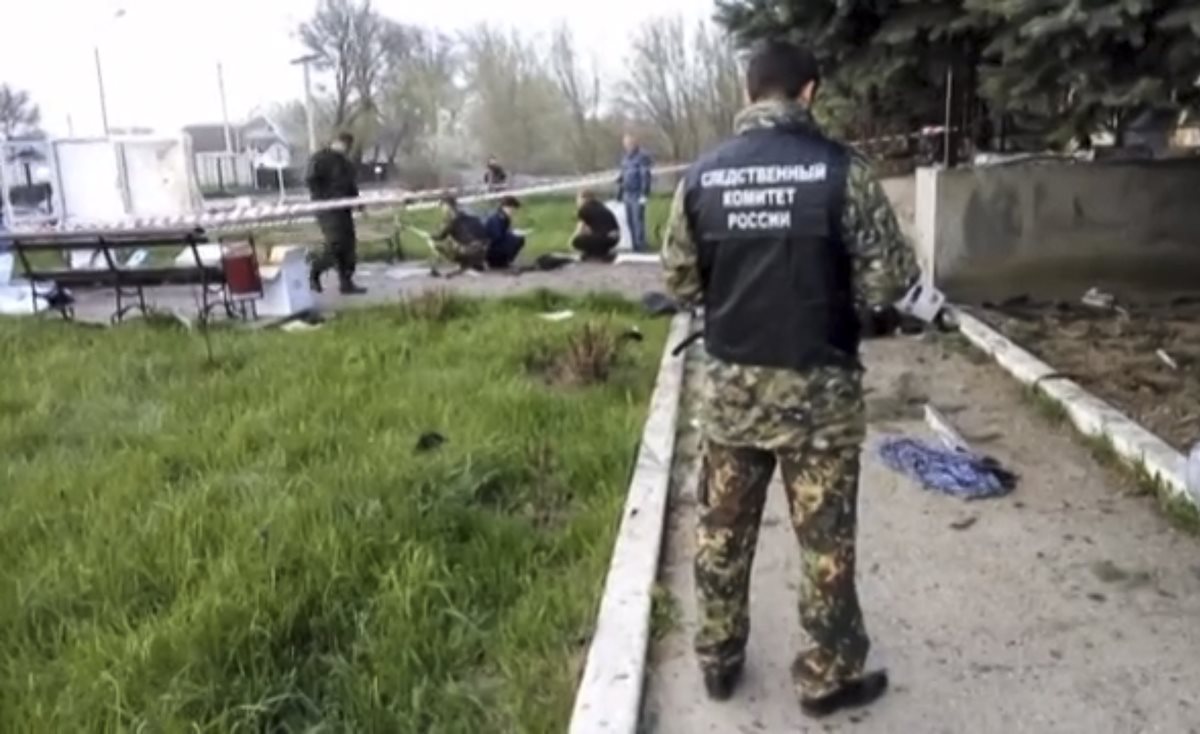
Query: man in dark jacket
<point>503,243</point>
<point>331,175</point>
<point>495,177</point>
<point>597,232</point>
<point>462,240</point>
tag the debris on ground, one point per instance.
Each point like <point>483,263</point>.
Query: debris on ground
<point>430,440</point>
<point>945,430</point>
<point>1097,298</point>
<point>956,473</point>
<point>299,325</point>
<point>553,262</point>
<point>659,304</point>
<point>632,334</point>
<point>1167,359</point>
<point>557,315</point>
<point>964,523</point>
<point>923,301</point>
<point>1117,358</point>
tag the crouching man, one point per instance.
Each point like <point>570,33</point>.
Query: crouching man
<point>597,232</point>
<point>462,240</point>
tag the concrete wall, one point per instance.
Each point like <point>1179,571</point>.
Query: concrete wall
<point>1053,229</point>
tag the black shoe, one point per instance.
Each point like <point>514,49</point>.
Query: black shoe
<point>722,682</point>
<point>350,288</point>
<point>860,692</point>
<point>314,282</point>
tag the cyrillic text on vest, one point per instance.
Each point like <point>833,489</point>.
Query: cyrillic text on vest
<point>763,175</point>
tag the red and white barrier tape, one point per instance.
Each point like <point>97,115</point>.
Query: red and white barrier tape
<point>274,214</point>
<point>266,215</point>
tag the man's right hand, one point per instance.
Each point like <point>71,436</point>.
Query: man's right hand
<point>880,321</point>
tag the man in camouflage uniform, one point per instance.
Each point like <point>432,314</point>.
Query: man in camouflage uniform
<point>332,175</point>
<point>789,243</point>
<point>462,239</point>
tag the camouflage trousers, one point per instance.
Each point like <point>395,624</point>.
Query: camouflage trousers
<point>469,255</point>
<point>821,481</point>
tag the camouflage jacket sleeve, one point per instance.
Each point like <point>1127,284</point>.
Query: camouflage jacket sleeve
<point>884,264</point>
<point>679,254</point>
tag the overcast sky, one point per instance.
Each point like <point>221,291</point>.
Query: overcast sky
<point>160,57</point>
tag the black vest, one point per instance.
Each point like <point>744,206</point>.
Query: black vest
<point>766,210</point>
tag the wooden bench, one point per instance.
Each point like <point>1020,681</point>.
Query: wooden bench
<point>127,280</point>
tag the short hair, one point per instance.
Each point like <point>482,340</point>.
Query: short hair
<point>587,194</point>
<point>780,68</point>
<point>511,201</point>
<point>346,138</point>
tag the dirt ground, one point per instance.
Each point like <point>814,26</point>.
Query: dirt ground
<point>1114,353</point>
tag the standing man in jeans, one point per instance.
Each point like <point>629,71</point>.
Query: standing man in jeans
<point>633,189</point>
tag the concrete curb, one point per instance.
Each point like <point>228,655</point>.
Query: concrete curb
<point>1091,415</point>
<point>609,698</point>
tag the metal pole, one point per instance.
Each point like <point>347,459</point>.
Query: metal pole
<point>6,207</point>
<point>948,155</point>
<point>103,99</point>
<point>224,109</point>
<point>308,109</point>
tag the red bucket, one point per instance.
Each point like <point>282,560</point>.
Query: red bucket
<point>241,270</point>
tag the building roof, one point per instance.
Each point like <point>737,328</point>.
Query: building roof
<point>258,132</point>
<point>209,138</point>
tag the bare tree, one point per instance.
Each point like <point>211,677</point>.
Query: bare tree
<point>418,88</point>
<point>515,112</point>
<point>719,91</point>
<point>580,88</point>
<point>292,120</point>
<point>18,114</point>
<point>330,37</point>
<point>660,87</point>
<point>352,43</point>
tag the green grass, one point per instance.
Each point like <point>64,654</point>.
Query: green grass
<point>252,543</point>
<point>551,219</point>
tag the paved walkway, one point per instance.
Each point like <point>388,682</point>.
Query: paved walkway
<point>1069,606</point>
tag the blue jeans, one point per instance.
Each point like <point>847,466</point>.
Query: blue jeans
<point>635,212</point>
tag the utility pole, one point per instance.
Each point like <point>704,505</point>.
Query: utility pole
<point>100,83</point>
<point>950,138</point>
<point>117,15</point>
<point>224,109</point>
<point>306,62</point>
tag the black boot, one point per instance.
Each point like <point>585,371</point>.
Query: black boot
<point>349,288</point>
<point>720,683</point>
<point>852,694</point>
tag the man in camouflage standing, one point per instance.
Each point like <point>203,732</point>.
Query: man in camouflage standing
<point>331,175</point>
<point>791,246</point>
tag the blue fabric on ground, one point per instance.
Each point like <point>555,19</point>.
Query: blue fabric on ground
<point>951,472</point>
